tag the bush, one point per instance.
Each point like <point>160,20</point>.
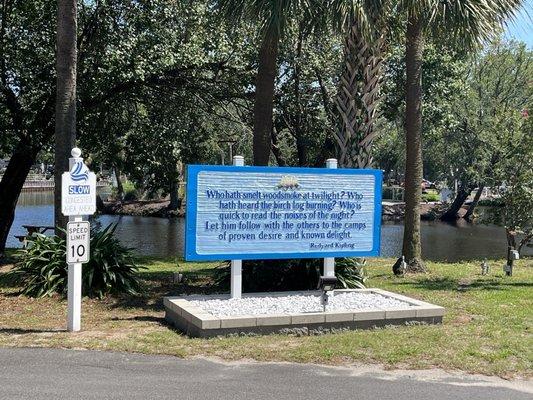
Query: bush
<point>130,192</point>
<point>286,275</point>
<point>432,196</point>
<point>496,202</point>
<point>41,269</point>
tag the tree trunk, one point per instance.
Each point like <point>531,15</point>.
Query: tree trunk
<point>301,143</point>
<point>525,240</point>
<point>511,245</point>
<point>328,147</point>
<point>11,185</point>
<point>451,213</point>
<point>120,188</point>
<point>264,99</point>
<point>276,150</point>
<point>412,249</point>
<point>65,128</point>
<point>358,98</point>
<point>469,216</point>
<point>100,206</point>
<point>174,198</point>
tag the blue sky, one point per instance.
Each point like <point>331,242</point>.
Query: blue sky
<point>522,27</point>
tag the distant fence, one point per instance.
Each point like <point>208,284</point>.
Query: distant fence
<point>393,193</point>
<point>38,185</point>
<point>43,185</point>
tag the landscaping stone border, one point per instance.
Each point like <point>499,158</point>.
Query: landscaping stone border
<point>196,322</point>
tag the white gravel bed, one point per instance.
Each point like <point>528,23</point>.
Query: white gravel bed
<point>295,304</point>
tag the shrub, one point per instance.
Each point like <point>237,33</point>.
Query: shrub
<point>431,196</point>
<point>297,274</point>
<point>130,192</point>
<point>496,202</point>
<point>41,269</point>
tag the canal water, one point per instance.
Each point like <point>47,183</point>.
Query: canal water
<point>165,237</point>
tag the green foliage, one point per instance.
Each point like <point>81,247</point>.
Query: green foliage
<point>350,272</point>
<point>430,196</point>
<point>41,269</point>
<point>294,274</point>
<point>497,202</point>
<point>130,191</point>
<point>518,177</point>
<point>444,71</point>
<point>472,111</point>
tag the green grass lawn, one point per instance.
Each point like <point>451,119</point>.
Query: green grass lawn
<point>486,329</point>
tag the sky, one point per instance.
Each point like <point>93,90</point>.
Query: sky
<point>522,27</point>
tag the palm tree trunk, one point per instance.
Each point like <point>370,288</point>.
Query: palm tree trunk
<point>412,249</point>
<point>65,128</point>
<point>301,142</point>
<point>358,98</point>
<point>264,99</point>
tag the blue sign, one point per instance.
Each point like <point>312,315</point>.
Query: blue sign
<point>245,213</point>
<point>79,189</point>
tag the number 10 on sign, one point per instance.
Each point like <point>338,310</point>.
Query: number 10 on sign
<point>78,242</point>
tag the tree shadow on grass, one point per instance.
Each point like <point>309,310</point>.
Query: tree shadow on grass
<point>20,331</point>
<point>142,318</point>
<point>160,284</point>
<point>449,284</point>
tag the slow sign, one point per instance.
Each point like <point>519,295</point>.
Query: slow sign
<point>78,191</point>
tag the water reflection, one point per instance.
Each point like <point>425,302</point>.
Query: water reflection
<point>165,237</point>
<point>148,235</point>
<point>45,197</point>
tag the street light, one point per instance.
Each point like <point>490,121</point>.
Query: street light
<point>326,284</point>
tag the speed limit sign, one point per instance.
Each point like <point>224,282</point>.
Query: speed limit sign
<point>78,240</point>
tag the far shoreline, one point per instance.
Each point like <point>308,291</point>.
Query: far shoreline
<point>160,209</point>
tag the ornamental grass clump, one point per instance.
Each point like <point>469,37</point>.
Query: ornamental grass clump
<point>41,269</point>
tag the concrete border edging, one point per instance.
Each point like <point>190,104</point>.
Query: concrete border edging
<point>195,322</point>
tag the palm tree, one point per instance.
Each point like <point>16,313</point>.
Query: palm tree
<point>272,16</point>
<point>362,24</point>
<point>364,27</point>
<point>65,118</point>
<point>468,22</point>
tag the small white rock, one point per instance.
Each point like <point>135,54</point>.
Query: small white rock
<point>294,304</point>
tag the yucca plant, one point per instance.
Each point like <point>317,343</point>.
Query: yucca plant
<point>111,269</point>
<point>41,269</point>
<point>350,272</point>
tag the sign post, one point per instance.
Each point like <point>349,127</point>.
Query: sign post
<point>78,198</point>
<point>329,262</point>
<point>236,265</point>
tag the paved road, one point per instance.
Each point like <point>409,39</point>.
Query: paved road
<point>65,374</point>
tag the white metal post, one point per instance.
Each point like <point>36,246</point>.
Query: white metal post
<point>74,271</point>
<point>236,265</point>
<point>329,262</point>
<point>74,293</point>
